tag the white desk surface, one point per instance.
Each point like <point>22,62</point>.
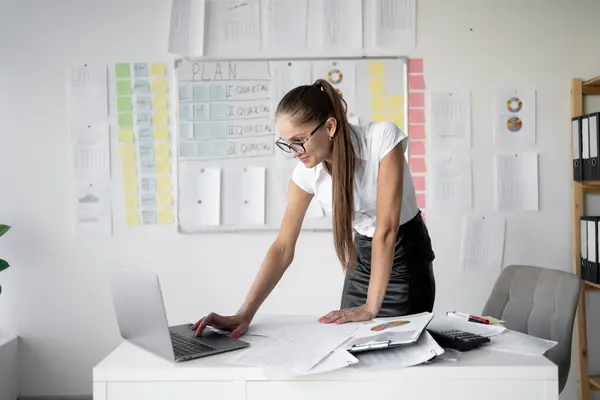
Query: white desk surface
<point>129,363</point>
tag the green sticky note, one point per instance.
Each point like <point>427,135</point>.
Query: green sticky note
<point>124,88</point>
<point>126,120</point>
<point>122,70</point>
<point>124,104</point>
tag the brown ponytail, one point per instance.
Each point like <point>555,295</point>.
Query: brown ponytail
<point>314,104</point>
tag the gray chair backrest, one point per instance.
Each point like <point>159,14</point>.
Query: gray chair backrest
<point>540,302</point>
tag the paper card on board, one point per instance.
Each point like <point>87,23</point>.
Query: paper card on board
<point>208,197</point>
<point>252,196</point>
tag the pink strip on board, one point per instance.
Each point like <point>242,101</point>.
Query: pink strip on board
<point>417,147</point>
<point>416,99</point>
<point>421,200</point>
<point>416,82</point>
<point>417,165</point>
<point>416,116</point>
<point>419,183</point>
<point>415,65</point>
<point>416,131</point>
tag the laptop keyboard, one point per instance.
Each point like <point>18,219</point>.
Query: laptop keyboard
<point>184,346</point>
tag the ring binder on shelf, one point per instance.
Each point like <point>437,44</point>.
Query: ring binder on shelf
<point>577,151</point>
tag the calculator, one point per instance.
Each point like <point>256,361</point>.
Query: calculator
<point>458,340</point>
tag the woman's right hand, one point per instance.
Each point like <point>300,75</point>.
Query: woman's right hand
<point>237,324</point>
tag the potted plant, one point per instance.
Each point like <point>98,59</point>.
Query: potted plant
<point>8,350</point>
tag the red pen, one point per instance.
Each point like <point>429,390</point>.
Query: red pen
<point>473,318</point>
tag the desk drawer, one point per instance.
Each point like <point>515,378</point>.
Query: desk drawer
<point>174,390</point>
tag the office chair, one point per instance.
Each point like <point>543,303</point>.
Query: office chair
<point>540,302</point>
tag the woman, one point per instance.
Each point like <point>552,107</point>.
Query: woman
<point>361,177</point>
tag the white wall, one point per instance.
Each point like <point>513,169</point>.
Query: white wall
<point>56,296</point>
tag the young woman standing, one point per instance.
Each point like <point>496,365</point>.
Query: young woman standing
<point>361,178</point>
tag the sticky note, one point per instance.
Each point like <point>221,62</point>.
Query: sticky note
<point>420,200</point>
<point>124,104</point>
<point>396,102</point>
<point>125,120</point>
<point>416,131</point>
<point>417,164</point>
<point>163,150</point>
<point>132,201</point>
<point>148,185</point>
<point>160,102</point>
<point>129,168</point>
<point>148,217</point>
<point>161,133</point>
<point>419,183</point>
<point>144,118</point>
<point>416,116</point>
<point>163,183</point>
<point>122,70</point>
<point>141,86</point>
<point>130,184</point>
<point>163,165</point>
<point>140,70</point>
<point>143,103</point>
<point>377,85</point>
<point>416,99</point>
<point>416,82</point>
<point>133,218</point>
<point>378,117</point>
<point>124,88</point>
<point>417,147</point>
<point>164,198</point>
<point>160,118</point>
<point>126,136</point>
<point>145,133</point>
<point>415,65</point>
<point>398,119</point>
<point>376,68</point>
<point>165,216</point>
<point>159,85</point>
<point>158,69</point>
<point>127,152</point>
<point>148,200</point>
<point>378,103</point>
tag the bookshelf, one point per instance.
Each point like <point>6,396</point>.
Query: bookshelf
<point>579,90</point>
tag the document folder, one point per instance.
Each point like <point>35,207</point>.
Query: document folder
<point>583,248</point>
<point>594,143</point>
<point>591,271</point>
<point>577,161</point>
<point>585,148</point>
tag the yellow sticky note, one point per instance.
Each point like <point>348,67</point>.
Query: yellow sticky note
<point>376,68</point>
<point>378,103</point>
<point>398,119</point>
<point>163,183</point>
<point>165,216</point>
<point>159,85</point>
<point>162,150</point>
<point>160,102</point>
<point>158,69</point>
<point>164,198</point>
<point>378,117</point>
<point>161,133</point>
<point>377,85</point>
<point>163,165</point>
<point>129,167</point>
<point>127,152</point>
<point>396,102</point>
<point>126,135</point>
<point>160,118</point>
<point>132,218</point>
<point>132,201</point>
<point>130,184</point>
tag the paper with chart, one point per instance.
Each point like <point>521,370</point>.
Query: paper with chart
<point>482,246</point>
<point>341,24</point>
<point>451,182</point>
<point>91,152</point>
<point>286,24</point>
<point>234,25</point>
<point>450,120</point>
<point>515,118</point>
<point>395,26</point>
<point>186,30</point>
<point>285,76</point>
<point>516,181</point>
<point>87,94</point>
<point>93,214</point>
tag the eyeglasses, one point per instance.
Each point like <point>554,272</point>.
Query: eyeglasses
<point>297,146</point>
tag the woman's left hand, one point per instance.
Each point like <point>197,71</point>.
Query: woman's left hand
<point>355,314</point>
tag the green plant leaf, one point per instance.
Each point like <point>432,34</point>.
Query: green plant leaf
<point>3,265</point>
<point>4,229</point>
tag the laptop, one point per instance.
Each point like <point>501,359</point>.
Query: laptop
<point>142,319</point>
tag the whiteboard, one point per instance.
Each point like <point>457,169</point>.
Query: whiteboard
<point>231,175</point>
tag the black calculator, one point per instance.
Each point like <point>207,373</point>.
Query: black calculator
<point>458,340</point>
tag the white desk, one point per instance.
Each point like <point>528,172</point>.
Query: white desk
<point>133,373</point>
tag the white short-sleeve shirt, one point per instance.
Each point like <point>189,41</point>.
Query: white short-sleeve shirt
<point>374,141</point>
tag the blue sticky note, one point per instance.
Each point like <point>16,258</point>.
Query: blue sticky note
<point>144,118</point>
<point>218,111</point>
<point>186,130</point>
<point>145,134</point>
<point>186,112</point>
<point>187,149</point>
<point>140,70</point>
<point>186,92</point>
<point>141,86</point>
<point>202,111</point>
<point>218,92</point>
<point>149,217</point>
<point>148,200</point>
<point>148,185</point>
<point>148,165</point>
<point>143,103</point>
<point>146,150</point>
<point>201,92</point>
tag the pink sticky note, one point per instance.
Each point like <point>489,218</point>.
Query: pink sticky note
<point>416,82</point>
<point>416,99</point>
<point>416,116</point>
<point>416,131</point>
<point>417,147</point>
<point>419,182</point>
<point>421,200</point>
<point>415,65</point>
<point>417,164</point>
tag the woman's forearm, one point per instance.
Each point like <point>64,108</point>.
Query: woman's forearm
<point>382,255</point>
<point>276,261</point>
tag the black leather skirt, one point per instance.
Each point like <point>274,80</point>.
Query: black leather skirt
<point>411,288</point>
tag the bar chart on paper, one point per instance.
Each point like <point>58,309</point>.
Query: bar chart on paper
<point>232,176</point>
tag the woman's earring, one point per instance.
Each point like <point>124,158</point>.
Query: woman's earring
<point>331,138</point>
